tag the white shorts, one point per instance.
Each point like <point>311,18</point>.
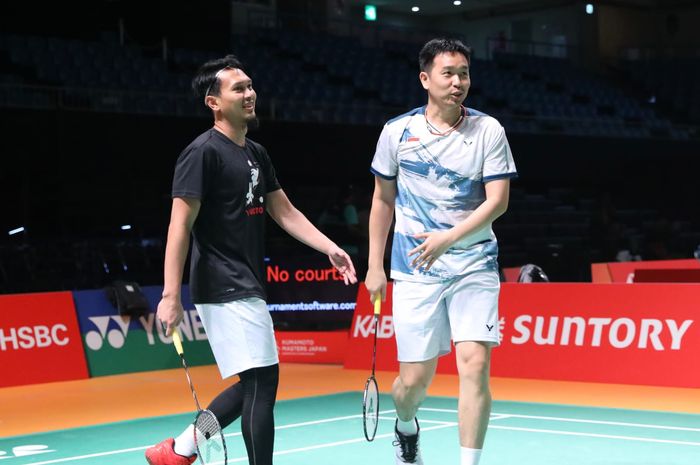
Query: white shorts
<point>428,315</point>
<point>240,334</point>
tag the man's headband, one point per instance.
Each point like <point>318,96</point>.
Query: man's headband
<point>216,78</point>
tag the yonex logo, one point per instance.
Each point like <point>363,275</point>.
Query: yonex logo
<point>115,336</point>
<point>114,329</point>
<point>489,327</point>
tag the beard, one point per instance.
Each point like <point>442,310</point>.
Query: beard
<point>253,122</point>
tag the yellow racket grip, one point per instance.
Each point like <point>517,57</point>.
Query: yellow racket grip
<point>378,305</point>
<point>177,341</point>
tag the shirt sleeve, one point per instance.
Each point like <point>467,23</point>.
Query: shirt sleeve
<point>498,161</point>
<point>189,179</point>
<point>271,182</point>
<point>384,163</point>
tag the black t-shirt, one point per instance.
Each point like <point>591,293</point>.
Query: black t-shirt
<point>228,235</point>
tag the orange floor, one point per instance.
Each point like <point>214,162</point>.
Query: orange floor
<point>45,407</point>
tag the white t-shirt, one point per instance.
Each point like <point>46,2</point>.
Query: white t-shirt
<point>440,181</point>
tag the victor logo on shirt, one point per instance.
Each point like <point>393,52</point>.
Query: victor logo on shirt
<point>252,211</point>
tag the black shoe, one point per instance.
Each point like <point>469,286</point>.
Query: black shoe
<point>406,446</point>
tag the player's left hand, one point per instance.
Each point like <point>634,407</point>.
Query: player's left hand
<point>434,245</point>
<point>343,263</point>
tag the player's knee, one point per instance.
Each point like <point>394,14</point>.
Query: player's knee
<point>414,381</point>
<point>474,371</point>
<point>263,380</point>
<point>473,357</point>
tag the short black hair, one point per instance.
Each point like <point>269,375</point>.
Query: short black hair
<point>435,47</point>
<point>206,82</point>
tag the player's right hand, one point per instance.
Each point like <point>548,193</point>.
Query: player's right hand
<point>170,313</point>
<point>376,284</point>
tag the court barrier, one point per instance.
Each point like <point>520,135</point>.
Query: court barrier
<point>645,334</point>
<point>625,272</point>
<point>40,339</point>
<point>61,336</point>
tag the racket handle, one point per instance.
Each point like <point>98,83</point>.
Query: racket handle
<point>177,341</point>
<point>378,305</point>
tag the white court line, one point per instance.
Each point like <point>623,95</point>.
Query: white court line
<point>340,443</point>
<point>89,456</point>
<point>594,435</point>
<point>314,422</point>
<point>446,423</point>
<point>441,425</point>
<point>499,416</point>
<point>122,451</point>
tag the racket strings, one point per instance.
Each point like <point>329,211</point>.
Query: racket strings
<point>209,438</point>
<point>370,410</point>
<point>207,426</point>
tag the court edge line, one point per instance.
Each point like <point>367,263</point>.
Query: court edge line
<point>446,425</point>
<point>312,422</point>
<point>340,443</point>
<point>595,435</point>
<point>576,420</point>
<point>422,421</point>
<point>122,451</point>
<point>89,456</point>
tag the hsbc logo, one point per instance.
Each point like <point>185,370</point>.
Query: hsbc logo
<point>30,337</point>
<point>620,333</point>
<point>114,330</point>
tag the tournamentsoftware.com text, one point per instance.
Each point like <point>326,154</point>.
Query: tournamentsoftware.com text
<point>310,306</point>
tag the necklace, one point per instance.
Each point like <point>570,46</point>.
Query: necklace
<point>436,132</point>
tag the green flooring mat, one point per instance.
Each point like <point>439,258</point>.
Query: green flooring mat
<point>327,430</point>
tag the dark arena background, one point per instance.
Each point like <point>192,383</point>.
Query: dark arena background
<point>600,102</point>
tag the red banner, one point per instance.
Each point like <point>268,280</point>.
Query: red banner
<point>623,272</point>
<point>361,339</point>
<point>312,347</point>
<point>643,334</point>
<point>40,339</point>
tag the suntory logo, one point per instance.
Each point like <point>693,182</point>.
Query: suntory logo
<point>619,333</point>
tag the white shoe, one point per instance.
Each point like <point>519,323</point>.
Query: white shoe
<point>406,447</point>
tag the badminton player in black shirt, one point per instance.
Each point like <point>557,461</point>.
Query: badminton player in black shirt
<point>224,183</point>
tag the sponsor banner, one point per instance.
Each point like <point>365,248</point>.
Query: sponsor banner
<point>643,334</point>
<point>120,344</point>
<point>312,347</point>
<point>362,328</point>
<point>305,292</point>
<point>623,272</point>
<point>675,275</point>
<point>36,331</point>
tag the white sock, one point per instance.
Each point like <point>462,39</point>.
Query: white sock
<point>184,444</point>
<point>408,428</point>
<point>470,456</point>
